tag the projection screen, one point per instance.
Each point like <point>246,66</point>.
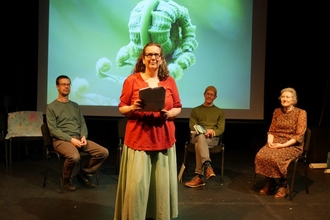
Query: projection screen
<point>213,42</point>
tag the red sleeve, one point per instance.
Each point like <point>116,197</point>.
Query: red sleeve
<point>130,90</point>
<point>172,99</point>
<point>126,93</point>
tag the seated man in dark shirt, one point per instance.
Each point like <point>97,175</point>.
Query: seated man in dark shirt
<point>69,131</point>
<point>212,119</point>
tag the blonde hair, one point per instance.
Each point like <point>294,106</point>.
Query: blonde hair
<point>294,94</point>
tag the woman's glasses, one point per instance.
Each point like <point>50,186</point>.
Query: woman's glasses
<point>150,55</point>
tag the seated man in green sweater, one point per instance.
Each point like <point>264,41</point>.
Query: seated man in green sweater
<point>212,119</point>
<point>69,131</point>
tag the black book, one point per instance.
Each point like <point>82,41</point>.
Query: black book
<point>152,98</point>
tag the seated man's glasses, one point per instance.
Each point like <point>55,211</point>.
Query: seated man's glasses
<point>150,55</point>
<point>65,84</point>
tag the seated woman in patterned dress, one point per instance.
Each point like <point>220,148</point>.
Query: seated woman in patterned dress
<point>285,141</point>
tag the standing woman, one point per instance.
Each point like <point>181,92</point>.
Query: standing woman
<point>147,184</point>
<point>285,141</point>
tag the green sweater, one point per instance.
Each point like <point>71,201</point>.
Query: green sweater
<point>210,117</point>
<point>65,120</point>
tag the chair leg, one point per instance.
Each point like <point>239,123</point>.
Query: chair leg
<point>97,177</point>
<point>10,152</point>
<point>45,176</point>
<point>253,180</point>
<point>46,173</point>
<point>18,158</point>
<point>184,164</point>
<point>222,163</point>
<point>119,152</point>
<point>293,178</point>
<point>185,157</point>
<point>306,177</point>
<point>6,154</point>
<point>26,149</point>
<point>60,170</point>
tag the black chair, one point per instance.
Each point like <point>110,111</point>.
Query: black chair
<point>49,149</point>
<point>190,148</point>
<point>302,158</point>
<point>121,134</point>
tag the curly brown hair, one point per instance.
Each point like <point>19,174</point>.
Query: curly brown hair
<point>163,71</point>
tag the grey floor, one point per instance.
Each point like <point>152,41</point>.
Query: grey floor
<point>23,197</point>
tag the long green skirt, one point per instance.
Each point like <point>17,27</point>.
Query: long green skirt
<point>147,185</point>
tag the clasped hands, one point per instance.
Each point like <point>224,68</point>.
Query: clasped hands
<point>275,145</point>
<point>79,143</point>
<point>209,133</point>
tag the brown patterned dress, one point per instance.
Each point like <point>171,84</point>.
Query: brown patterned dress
<point>272,162</point>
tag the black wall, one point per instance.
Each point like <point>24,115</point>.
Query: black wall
<point>294,58</point>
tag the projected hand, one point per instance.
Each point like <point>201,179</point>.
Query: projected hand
<point>103,67</point>
<point>166,23</point>
<point>79,93</point>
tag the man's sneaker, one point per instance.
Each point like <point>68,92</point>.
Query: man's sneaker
<point>68,185</point>
<point>195,182</point>
<point>85,180</point>
<point>209,172</point>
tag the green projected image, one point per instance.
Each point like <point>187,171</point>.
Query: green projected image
<point>96,43</point>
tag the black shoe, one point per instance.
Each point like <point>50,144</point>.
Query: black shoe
<point>68,185</point>
<point>85,180</point>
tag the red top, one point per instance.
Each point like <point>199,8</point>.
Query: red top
<point>149,131</point>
